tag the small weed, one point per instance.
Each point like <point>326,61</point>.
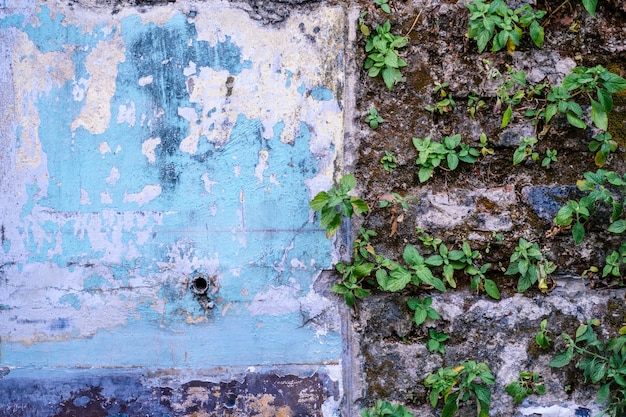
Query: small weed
<point>422,310</point>
<point>484,145</point>
<point>384,5</point>
<point>602,363</point>
<point>436,341</point>
<point>542,338</point>
<point>455,385</point>
<point>382,55</point>
<point>386,409</point>
<point>602,144</point>
<point>474,103</point>
<point>528,383</point>
<point>526,149</point>
<point>504,27</point>
<point>549,158</point>
<point>529,263</point>
<point>336,203</point>
<point>446,103</point>
<point>373,118</point>
<point>389,161</point>
<point>445,155</point>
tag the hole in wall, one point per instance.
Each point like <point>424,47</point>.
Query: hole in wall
<point>200,284</point>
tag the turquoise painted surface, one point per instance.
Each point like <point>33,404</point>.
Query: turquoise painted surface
<point>121,234</point>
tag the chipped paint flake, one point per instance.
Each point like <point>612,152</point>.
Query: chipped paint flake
<point>149,193</point>
<point>102,66</point>
<point>148,148</point>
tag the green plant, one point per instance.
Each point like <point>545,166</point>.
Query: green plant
<point>614,261</point>
<point>356,274</point>
<point>474,103</point>
<point>601,363</point>
<point>455,385</point>
<point>526,149</point>
<point>603,144</point>
<point>484,145</point>
<point>504,27</point>
<point>373,118</point>
<point>604,187</point>
<point>446,103</point>
<point>382,55</point>
<point>598,80</point>
<point>529,263</point>
<point>386,409</point>
<point>542,338</point>
<point>389,161</point>
<point>422,310</point>
<point>527,384</point>
<point>336,203</point>
<point>436,340</point>
<point>480,282</point>
<point>445,155</point>
<point>549,158</point>
<point>384,5</point>
<point>511,91</point>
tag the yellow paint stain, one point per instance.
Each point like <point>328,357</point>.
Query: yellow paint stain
<point>102,66</point>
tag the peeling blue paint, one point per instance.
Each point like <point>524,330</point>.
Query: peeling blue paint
<point>321,93</point>
<point>235,207</point>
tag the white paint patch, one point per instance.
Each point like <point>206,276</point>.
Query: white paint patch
<point>190,70</point>
<point>104,148</point>
<point>79,89</point>
<point>101,64</point>
<point>126,113</point>
<point>105,198</point>
<point>84,197</point>
<point>148,147</point>
<point>190,143</point>
<point>147,194</point>
<point>297,264</point>
<point>261,166</point>
<point>208,184</point>
<point>113,177</point>
<point>275,302</point>
<point>237,171</point>
<point>143,81</point>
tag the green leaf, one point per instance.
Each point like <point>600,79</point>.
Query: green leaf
<point>618,226</point>
<point>562,358</point>
<point>590,6</point>
<point>603,392</point>
<point>347,182</point>
<point>578,232</point>
<point>420,316</point>
<point>551,110</point>
<point>491,289</point>
<point>319,201</point>
<point>536,33</point>
<point>524,283</point>
<point>450,407</point>
<point>359,205</point>
<point>425,173</point>
<point>385,8</point>
<point>482,393</point>
<point>389,77</point>
<point>598,115</point>
<point>605,99</point>
<point>397,280</point>
<point>575,121</point>
<point>506,117</point>
<point>613,82</point>
<point>453,161</point>
<point>411,256</point>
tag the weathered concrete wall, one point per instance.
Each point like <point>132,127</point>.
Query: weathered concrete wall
<point>158,253</point>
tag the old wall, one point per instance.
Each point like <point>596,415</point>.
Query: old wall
<point>158,253</point>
